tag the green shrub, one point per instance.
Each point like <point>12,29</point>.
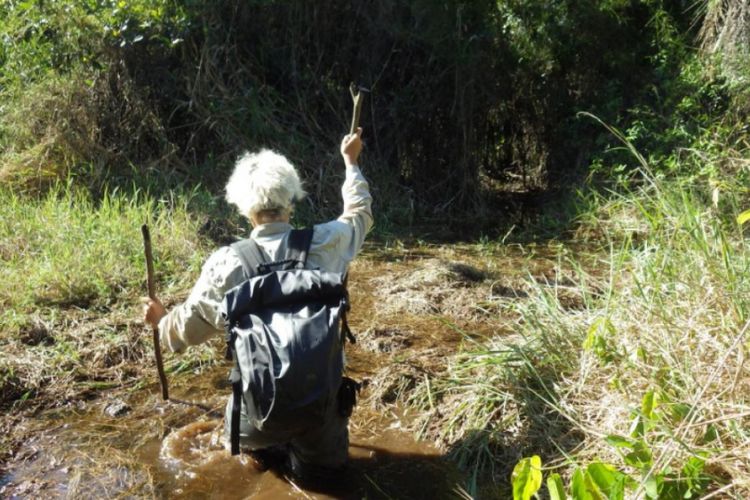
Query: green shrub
<point>464,97</point>
<point>65,250</point>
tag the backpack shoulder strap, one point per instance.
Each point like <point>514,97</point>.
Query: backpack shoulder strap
<point>251,256</point>
<point>298,246</point>
<point>254,261</point>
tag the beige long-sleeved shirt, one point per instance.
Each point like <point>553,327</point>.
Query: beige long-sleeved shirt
<point>334,245</point>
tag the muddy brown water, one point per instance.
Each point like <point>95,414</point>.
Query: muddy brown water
<point>171,450</point>
<point>167,450</point>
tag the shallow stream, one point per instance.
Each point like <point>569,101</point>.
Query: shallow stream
<point>126,442</point>
<point>172,450</point>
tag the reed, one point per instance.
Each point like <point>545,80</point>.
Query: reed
<point>653,352</point>
<point>71,275</point>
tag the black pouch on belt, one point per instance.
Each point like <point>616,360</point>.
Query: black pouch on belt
<point>347,396</point>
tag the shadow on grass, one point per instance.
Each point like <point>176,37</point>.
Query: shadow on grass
<point>487,456</point>
<point>507,215</point>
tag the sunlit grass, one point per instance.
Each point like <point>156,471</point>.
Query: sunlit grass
<point>66,249</point>
<point>663,311</point>
<point>72,272</point>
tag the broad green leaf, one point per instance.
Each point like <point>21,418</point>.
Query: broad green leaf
<point>593,333</point>
<point>640,457</point>
<point>583,487</point>
<point>578,486</point>
<point>608,480</point>
<point>692,471</point>
<point>617,492</point>
<point>643,422</point>
<point>649,403</point>
<point>691,482</point>
<point>597,339</point>
<point>693,474</point>
<point>694,466</point>
<point>556,487</point>
<point>674,490</point>
<point>601,325</point>
<point>743,217</point>
<point>642,354</point>
<point>651,486</point>
<point>591,488</point>
<point>680,411</point>
<point>619,441</point>
<point>602,474</point>
<point>711,435</point>
<point>527,478</point>
<point>591,338</point>
<point>638,427</point>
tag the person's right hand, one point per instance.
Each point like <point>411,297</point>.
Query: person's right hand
<point>351,146</point>
<point>153,311</point>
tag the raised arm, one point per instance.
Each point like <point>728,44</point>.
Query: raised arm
<point>355,192</point>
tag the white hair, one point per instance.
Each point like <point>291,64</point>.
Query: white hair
<point>263,181</point>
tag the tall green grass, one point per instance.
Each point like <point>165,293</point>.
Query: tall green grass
<point>653,353</point>
<point>71,272</point>
<point>65,249</point>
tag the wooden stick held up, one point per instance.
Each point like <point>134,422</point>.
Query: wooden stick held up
<point>357,101</point>
<point>152,296</point>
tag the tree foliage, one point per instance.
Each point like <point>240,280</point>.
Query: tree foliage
<point>464,96</point>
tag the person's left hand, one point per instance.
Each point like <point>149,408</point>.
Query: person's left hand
<point>153,311</point>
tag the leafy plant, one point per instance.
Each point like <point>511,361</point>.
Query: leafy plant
<point>598,339</point>
<point>527,478</point>
<point>600,481</point>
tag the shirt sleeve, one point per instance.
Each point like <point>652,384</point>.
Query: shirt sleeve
<point>357,213</point>
<point>199,318</point>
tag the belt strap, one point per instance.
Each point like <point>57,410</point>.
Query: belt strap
<point>234,423</point>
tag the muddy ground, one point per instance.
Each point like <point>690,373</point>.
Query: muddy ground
<point>414,307</point>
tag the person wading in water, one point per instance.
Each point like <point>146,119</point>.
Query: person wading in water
<point>264,187</point>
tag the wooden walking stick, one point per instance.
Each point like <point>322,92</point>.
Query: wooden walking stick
<point>152,296</point>
<point>357,98</point>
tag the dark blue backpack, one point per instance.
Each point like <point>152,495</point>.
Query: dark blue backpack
<point>286,326</point>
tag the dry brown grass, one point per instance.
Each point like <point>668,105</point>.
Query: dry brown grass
<point>665,315</point>
<point>435,286</point>
<point>726,27</point>
<point>94,128</point>
<point>725,31</point>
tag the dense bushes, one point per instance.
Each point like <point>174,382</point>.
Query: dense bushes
<point>69,104</point>
<point>465,95</point>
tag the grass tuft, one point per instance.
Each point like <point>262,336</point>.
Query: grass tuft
<point>663,318</point>
<point>72,271</point>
